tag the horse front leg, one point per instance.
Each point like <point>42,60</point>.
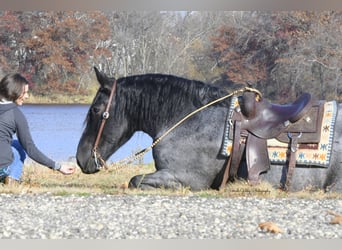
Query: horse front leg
<point>159,179</point>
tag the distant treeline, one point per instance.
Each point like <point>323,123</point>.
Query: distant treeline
<point>281,53</point>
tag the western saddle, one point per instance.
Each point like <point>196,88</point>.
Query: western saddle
<point>256,120</point>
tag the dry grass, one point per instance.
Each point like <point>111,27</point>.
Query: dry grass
<point>38,179</point>
<point>60,99</point>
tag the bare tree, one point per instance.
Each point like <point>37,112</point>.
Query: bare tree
<point>313,62</point>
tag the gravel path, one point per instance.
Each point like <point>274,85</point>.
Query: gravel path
<point>46,216</point>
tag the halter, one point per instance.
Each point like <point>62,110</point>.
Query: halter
<point>105,115</point>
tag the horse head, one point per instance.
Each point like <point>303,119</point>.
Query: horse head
<point>97,144</point>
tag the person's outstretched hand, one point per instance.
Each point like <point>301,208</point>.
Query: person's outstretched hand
<point>67,169</point>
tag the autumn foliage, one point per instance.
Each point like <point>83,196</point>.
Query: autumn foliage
<point>282,53</point>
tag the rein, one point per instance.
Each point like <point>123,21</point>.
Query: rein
<point>105,116</point>
<point>140,154</point>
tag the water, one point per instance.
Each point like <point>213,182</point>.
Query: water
<point>56,130</point>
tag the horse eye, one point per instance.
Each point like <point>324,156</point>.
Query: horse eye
<point>96,110</point>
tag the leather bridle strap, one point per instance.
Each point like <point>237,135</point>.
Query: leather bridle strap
<point>105,116</point>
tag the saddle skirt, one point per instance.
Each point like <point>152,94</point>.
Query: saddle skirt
<point>315,153</point>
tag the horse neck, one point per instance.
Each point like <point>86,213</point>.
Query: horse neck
<point>155,119</point>
<point>154,108</point>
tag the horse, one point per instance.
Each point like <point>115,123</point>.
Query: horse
<point>189,156</point>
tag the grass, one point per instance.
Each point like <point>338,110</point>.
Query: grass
<point>37,179</point>
<point>60,99</point>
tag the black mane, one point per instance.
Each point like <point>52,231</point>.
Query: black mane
<point>165,95</point>
<point>157,98</point>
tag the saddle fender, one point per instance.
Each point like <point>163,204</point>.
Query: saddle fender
<point>257,157</point>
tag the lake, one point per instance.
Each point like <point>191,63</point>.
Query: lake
<point>56,130</point>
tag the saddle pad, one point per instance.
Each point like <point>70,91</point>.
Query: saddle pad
<point>307,154</point>
<point>227,142</point>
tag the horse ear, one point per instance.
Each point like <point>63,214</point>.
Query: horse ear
<point>101,77</point>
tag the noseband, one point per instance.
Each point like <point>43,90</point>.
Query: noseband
<point>105,116</point>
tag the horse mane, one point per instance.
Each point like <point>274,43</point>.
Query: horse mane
<point>165,95</point>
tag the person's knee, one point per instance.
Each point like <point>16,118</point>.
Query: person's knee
<point>16,144</point>
<point>16,168</point>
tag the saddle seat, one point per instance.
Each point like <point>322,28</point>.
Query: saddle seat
<point>267,120</point>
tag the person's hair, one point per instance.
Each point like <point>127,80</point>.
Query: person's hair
<point>12,86</point>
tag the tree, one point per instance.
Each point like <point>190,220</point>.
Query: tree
<point>248,47</point>
<point>59,50</point>
<point>280,53</point>
<point>142,42</point>
<point>10,31</point>
<point>283,53</point>
<point>314,61</point>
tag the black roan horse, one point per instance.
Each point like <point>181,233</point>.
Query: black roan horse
<point>190,155</point>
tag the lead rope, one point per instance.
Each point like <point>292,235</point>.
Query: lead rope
<point>126,161</point>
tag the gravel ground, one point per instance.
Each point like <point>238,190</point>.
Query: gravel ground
<point>44,216</point>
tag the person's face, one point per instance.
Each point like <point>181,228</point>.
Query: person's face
<point>23,96</point>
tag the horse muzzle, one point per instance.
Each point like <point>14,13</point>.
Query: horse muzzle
<point>100,163</point>
<point>90,166</point>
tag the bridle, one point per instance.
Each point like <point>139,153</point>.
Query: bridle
<point>105,115</point>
